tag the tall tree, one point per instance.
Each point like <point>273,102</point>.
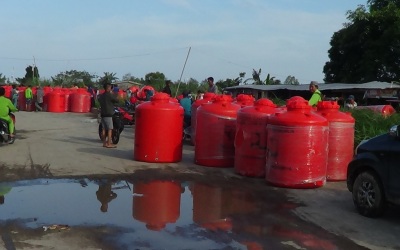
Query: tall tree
<point>367,48</point>
<point>68,78</point>
<point>2,78</point>
<point>155,79</point>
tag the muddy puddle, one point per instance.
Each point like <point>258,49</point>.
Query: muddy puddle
<point>163,214</point>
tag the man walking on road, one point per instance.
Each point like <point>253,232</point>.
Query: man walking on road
<point>107,100</point>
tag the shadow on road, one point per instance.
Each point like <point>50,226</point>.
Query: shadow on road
<point>113,152</point>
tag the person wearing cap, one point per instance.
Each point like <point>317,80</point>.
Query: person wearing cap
<point>316,94</point>
<point>212,88</point>
<point>350,102</point>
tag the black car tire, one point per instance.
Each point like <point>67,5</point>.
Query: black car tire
<point>368,195</point>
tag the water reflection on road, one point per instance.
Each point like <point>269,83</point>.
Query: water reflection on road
<point>166,214</point>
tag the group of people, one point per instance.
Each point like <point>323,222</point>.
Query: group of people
<point>318,97</point>
<point>29,98</point>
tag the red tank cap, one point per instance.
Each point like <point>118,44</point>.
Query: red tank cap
<point>209,96</point>
<point>243,97</point>
<point>295,98</point>
<point>298,104</point>
<point>327,105</point>
<point>264,102</point>
<point>223,98</point>
<point>163,97</point>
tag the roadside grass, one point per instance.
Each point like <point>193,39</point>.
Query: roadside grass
<point>370,124</point>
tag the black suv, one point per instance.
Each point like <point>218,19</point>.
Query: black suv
<point>373,176</point>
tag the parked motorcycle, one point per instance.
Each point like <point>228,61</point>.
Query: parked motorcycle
<point>118,126</point>
<point>4,131</point>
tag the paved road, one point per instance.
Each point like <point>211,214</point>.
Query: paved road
<point>67,145</point>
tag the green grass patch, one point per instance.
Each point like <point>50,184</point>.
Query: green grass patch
<point>370,124</point>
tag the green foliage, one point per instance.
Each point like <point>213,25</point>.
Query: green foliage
<point>370,124</point>
<point>291,80</point>
<point>256,79</point>
<point>367,48</point>
<point>129,77</point>
<point>2,78</point>
<point>68,78</point>
<point>155,79</point>
<point>107,78</point>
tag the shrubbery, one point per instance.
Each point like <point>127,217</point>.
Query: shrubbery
<point>370,124</point>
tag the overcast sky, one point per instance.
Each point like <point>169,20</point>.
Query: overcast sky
<point>282,37</point>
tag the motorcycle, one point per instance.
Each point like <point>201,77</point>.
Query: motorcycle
<point>4,131</point>
<point>118,125</point>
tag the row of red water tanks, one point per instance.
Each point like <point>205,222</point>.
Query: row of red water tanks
<point>56,99</point>
<point>293,146</point>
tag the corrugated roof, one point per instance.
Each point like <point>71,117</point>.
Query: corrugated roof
<point>321,86</point>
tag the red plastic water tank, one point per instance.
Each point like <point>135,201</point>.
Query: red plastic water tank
<point>341,139</point>
<point>385,110</point>
<point>215,133</point>
<point>8,89</point>
<point>207,98</point>
<point>159,130</point>
<point>156,203</point>
<point>121,94</point>
<point>80,101</point>
<point>251,138</point>
<point>56,101</point>
<point>67,92</point>
<point>211,207</point>
<point>134,89</point>
<point>46,91</point>
<point>244,100</point>
<point>142,94</point>
<point>297,147</point>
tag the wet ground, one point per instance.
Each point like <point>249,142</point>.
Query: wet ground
<point>58,176</point>
<point>137,212</point>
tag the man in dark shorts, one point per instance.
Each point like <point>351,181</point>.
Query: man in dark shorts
<point>107,100</point>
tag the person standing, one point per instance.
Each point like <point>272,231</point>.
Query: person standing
<point>316,94</point>
<point>107,100</point>
<point>167,88</point>
<point>350,102</point>
<point>186,103</point>
<point>39,99</point>
<point>28,98</point>
<point>212,88</point>
<point>5,107</point>
<point>14,95</point>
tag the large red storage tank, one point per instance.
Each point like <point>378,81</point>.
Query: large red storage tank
<point>121,94</point>
<point>341,139</point>
<point>244,100</point>
<point>211,205</point>
<point>215,133</point>
<point>251,138</point>
<point>8,89</point>
<point>141,94</point>
<point>156,203</point>
<point>207,98</point>
<point>297,147</point>
<point>56,101</point>
<point>385,110</point>
<point>46,91</point>
<point>80,101</point>
<point>67,92</point>
<point>159,130</point>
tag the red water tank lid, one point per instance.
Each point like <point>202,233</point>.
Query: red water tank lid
<point>330,110</point>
